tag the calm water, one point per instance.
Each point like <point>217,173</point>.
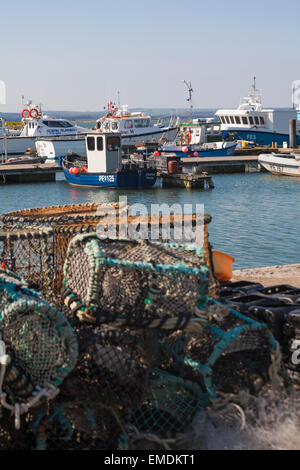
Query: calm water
<point>256,217</point>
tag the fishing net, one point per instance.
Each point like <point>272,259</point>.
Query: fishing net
<point>28,252</point>
<point>70,220</point>
<point>110,377</point>
<point>38,346</point>
<point>231,345</point>
<point>137,283</point>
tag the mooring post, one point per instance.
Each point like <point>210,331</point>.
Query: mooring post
<point>293,133</point>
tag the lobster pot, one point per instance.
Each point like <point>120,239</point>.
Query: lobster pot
<point>28,252</point>
<point>114,363</point>
<point>231,345</point>
<point>61,215</point>
<point>69,220</point>
<point>82,425</point>
<point>133,282</point>
<point>39,341</point>
<point>168,409</point>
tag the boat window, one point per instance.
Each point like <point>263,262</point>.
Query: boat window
<point>99,143</point>
<point>227,119</point>
<point>91,143</point>
<point>65,124</point>
<point>141,123</point>
<point>115,125</point>
<point>256,120</point>
<point>237,120</point>
<point>231,119</point>
<point>245,120</point>
<point>113,143</point>
<point>128,124</point>
<point>262,120</point>
<point>52,123</point>
<point>251,120</point>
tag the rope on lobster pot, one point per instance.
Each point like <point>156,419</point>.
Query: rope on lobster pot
<point>49,392</point>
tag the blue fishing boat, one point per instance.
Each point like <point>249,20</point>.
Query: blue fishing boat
<point>102,166</point>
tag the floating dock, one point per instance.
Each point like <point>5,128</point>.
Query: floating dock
<point>28,173</point>
<point>215,165</point>
<point>187,181</point>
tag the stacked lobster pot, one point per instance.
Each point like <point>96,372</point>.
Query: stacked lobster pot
<point>279,307</point>
<point>154,347</point>
<point>38,349</point>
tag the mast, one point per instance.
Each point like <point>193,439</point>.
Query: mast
<point>189,99</point>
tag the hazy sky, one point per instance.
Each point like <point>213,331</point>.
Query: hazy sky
<point>76,55</point>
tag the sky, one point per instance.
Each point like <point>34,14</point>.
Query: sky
<point>77,55</point>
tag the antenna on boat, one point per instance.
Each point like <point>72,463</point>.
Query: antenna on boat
<point>189,99</point>
<point>119,102</point>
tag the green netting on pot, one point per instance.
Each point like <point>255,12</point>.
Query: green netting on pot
<point>38,346</point>
<point>137,283</point>
<point>169,407</point>
<point>81,426</point>
<point>231,345</point>
<point>112,367</point>
<point>28,252</point>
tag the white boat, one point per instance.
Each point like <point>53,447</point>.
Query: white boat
<point>53,147</point>
<point>134,127</point>
<point>281,164</point>
<point>35,125</point>
<point>252,122</point>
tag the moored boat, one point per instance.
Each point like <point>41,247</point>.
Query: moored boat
<point>252,122</point>
<point>281,164</point>
<point>134,127</point>
<point>192,140</point>
<point>102,166</point>
<point>35,125</point>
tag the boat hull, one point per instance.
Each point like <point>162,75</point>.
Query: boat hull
<point>150,137</point>
<point>228,150</point>
<point>261,138</point>
<point>134,179</point>
<point>282,166</point>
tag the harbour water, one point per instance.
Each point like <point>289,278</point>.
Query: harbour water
<point>255,217</point>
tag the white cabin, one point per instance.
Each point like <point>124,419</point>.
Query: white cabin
<point>252,117</point>
<point>134,126</point>
<point>103,152</point>
<point>124,122</point>
<point>36,124</point>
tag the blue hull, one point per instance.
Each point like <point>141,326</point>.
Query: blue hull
<point>262,138</point>
<point>229,152</point>
<point>138,179</point>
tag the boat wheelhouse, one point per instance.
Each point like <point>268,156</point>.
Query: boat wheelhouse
<point>252,122</point>
<point>134,127</point>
